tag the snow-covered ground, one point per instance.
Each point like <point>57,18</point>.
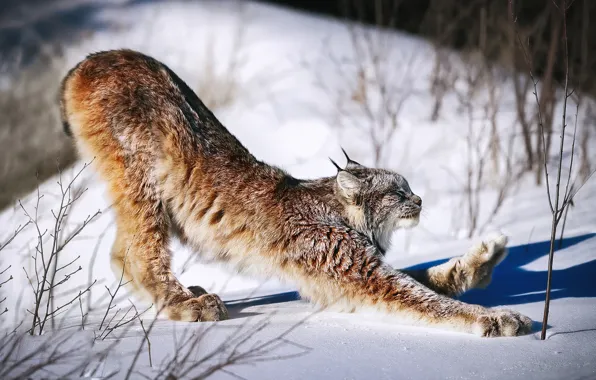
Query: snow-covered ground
<point>284,112</point>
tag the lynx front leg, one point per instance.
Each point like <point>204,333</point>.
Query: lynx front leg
<point>460,274</point>
<point>404,297</point>
<point>142,240</point>
<point>360,277</point>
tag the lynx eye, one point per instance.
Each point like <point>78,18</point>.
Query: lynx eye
<point>395,197</point>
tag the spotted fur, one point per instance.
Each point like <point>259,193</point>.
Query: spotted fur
<point>173,169</point>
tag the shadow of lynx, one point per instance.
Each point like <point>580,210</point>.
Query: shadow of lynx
<point>511,284</point>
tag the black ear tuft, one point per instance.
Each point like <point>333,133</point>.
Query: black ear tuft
<point>335,164</point>
<point>351,163</point>
<point>345,154</point>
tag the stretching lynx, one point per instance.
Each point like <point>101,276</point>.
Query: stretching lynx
<point>173,169</point>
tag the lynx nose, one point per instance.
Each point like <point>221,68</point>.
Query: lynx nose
<point>416,199</point>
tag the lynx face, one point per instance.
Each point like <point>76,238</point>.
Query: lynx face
<point>378,201</point>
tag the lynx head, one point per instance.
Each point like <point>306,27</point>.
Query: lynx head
<point>377,201</point>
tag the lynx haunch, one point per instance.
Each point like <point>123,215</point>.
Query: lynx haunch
<point>173,169</point>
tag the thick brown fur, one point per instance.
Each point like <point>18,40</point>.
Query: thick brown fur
<point>173,168</point>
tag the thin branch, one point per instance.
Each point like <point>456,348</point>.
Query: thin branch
<point>555,212</point>
<point>146,336</point>
<point>14,235</point>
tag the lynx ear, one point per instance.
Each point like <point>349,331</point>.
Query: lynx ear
<point>348,184</point>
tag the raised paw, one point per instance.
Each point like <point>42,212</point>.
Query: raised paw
<point>482,259</point>
<point>207,307</point>
<point>497,249</point>
<point>502,322</point>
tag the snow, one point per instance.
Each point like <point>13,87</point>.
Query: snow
<point>285,115</point>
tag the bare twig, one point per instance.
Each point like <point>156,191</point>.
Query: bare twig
<point>557,210</point>
<point>140,348</point>
<point>46,261</point>
<point>146,336</point>
<point>369,93</point>
<point>559,207</point>
<point>111,304</point>
<point>17,231</point>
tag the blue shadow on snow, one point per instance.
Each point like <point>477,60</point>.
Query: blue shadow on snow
<point>512,285</point>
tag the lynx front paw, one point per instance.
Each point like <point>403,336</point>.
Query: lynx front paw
<point>498,323</point>
<point>482,259</point>
<point>207,307</point>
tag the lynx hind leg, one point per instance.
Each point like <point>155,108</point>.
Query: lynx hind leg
<point>176,231</point>
<point>481,260</point>
<point>145,248</point>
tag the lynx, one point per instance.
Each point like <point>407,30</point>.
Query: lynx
<point>172,169</point>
